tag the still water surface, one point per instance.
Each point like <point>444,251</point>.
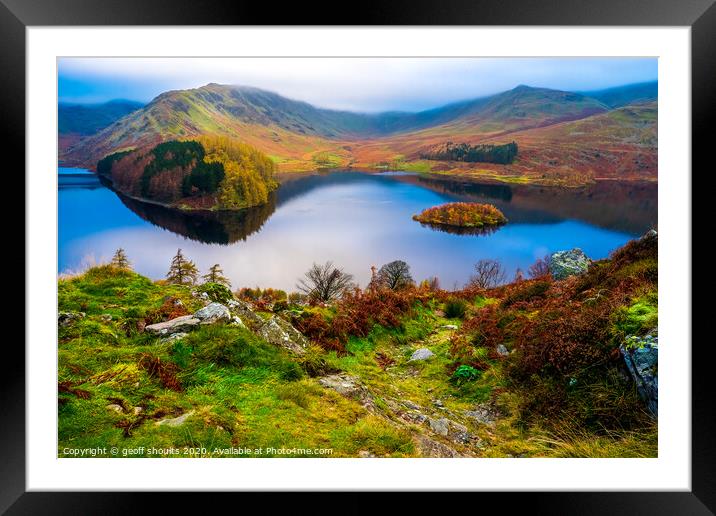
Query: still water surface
<point>353,219</point>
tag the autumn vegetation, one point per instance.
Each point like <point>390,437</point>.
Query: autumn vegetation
<point>467,215</point>
<point>481,153</point>
<point>208,172</point>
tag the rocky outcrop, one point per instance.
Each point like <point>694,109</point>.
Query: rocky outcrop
<point>213,313</point>
<point>67,318</point>
<point>279,332</point>
<point>243,311</point>
<point>276,330</point>
<point>176,421</point>
<point>350,387</point>
<point>641,356</point>
<point>563,264</point>
<point>484,414</point>
<point>181,324</point>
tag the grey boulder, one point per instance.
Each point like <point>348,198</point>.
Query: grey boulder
<point>67,318</point>
<point>246,315</point>
<point>281,333</point>
<point>563,264</point>
<point>179,325</point>
<point>421,354</point>
<point>213,313</point>
<point>641,356</point>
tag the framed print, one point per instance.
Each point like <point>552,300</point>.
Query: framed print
<point>436,250</point>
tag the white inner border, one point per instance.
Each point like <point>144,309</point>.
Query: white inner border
<point>671,471</point>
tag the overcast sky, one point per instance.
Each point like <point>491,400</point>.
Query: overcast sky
<point>355,84</point>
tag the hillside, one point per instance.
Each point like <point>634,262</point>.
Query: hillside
<point>629,94</point>
<point>540,367</point>
<point>75,121</point>
<point>299,136</point>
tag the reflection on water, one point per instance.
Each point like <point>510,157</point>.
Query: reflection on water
<point>209,227</point>
<point>353,219</point>
<point>457,230</point>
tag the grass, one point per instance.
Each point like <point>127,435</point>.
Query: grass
<point>242,397</point>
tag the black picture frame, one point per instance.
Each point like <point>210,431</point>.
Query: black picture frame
<point>17,15</point>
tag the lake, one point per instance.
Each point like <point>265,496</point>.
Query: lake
<point>353,219</point>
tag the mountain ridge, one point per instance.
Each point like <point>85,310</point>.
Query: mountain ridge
<point>300,136</point>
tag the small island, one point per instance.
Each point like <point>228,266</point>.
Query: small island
<point>462,217</point>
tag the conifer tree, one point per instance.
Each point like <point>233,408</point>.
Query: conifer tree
<point>182,271</point>
<point>120,259</point>
<point>216,275</point>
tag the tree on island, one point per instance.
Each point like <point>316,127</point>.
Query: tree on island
<point>324,282</point>
<point>395,275</point>
<point>216,275</point>
<point>182,271</point>
<point>120,260</point>
<point>488,274</point>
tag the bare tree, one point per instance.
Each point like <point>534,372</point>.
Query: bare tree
<point>488,274</point>
<point>395,275</point>
<point>539,269</point>
<point>324,282</point>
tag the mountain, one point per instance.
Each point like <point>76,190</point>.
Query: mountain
<point>545,123</point>
<point>623,95</point>
<point>288,129</point>
<point>84,119</point>
<point>77,121</point>
<point>618,144</point>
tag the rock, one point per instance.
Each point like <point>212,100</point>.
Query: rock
<point>365,454</point>
<point>137,410</point>
<point>177,421</point>
<point>115,407</point>
<point>421,354</point>
<point>213,313</point>
<point>174,337</point>
<point>649,235</point>
<point>458,433</point>
<point>449,326</point>
<point>641,356</point>
<point>414,416</point>
<point>278,332</point>
<point>502,350</point>
<point>235,319</point>
<point>440,426</point>
<point>247,316</point>
<point>409,404</point>
<point>483,414</point>
<point>179,325</point>
<point>343,384</point>
<point>67,318</point>
<point>438,403</point>
<point>349,386</point>
<point>563,264</point>
<point>105,317</point>
<point>431,448</point>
